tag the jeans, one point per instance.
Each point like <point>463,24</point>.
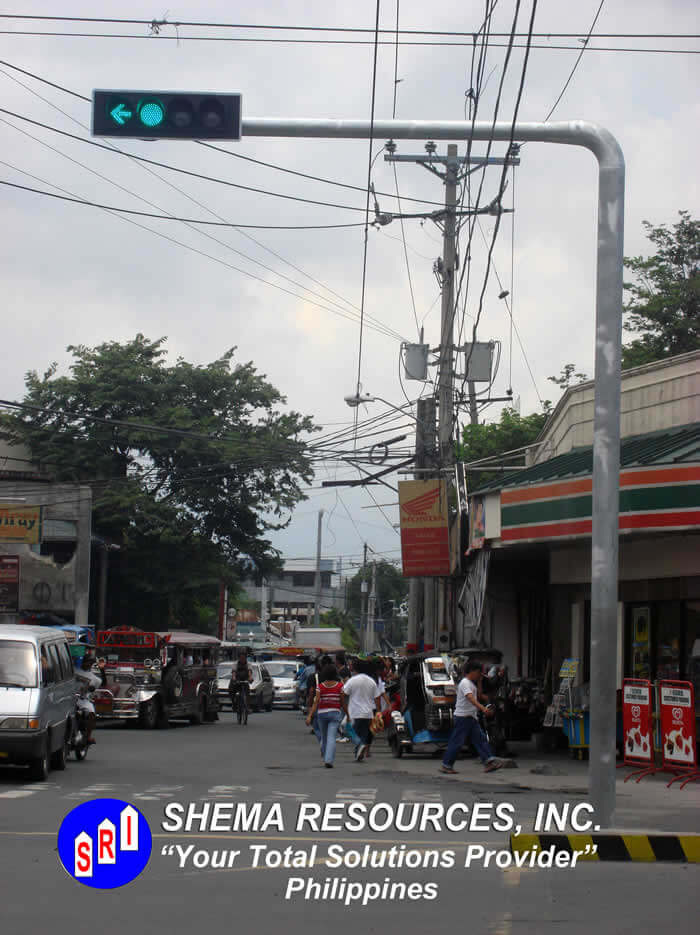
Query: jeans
<point>316,727</point>
<point>361,728</point>
<point>329,722</point>
<point>466,728</point>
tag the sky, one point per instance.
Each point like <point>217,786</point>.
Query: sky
<point>79,275</point>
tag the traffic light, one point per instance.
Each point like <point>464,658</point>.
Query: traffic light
<point>166,115</point>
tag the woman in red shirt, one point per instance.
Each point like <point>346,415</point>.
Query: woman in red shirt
<point>331,705</point>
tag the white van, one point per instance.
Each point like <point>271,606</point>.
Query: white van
<point>37,698</point>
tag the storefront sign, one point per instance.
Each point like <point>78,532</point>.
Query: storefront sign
<point>636,721</point>
<point>20,524</point>
<point>425,549</point>
<point>9,584</point>
<point>677,709</point>
<point>569,668</point>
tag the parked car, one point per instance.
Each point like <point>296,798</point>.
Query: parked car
<point>284,678</point>
<point>261,692</point>
<point>37,698</point>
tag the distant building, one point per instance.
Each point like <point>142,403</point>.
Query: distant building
<point>291,594</point>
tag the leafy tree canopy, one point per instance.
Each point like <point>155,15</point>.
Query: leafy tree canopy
<point>391,586</point>
<point>342,619</point>
<point>511,432</point>
<point>664,300</point>
<point>186,504</point>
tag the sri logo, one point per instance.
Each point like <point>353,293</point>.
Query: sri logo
<point>677,714</point>
<point>104,843</point>
<point>636,711</point>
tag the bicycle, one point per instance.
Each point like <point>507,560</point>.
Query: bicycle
<point>242,706</point>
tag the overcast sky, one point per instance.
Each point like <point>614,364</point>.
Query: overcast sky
<point>73,274</point>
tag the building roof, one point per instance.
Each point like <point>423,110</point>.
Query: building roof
<point>671,446</point>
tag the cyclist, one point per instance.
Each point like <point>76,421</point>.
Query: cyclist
<point>241,678</point>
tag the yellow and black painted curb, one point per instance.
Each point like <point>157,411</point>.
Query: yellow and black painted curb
<point>676,848</point>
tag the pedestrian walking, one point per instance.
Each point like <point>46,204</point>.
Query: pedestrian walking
<point>363,700</point>
<point>311,688</point>
<point>376,671</point>
<point>328,706</point>
<point>466,725</point>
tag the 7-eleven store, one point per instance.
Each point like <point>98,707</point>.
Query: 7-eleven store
<point>528,585</point>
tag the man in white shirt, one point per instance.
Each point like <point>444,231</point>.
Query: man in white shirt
<point>363,700</point>
<point>466,726</point>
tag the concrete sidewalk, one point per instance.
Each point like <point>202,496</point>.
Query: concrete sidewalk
<point>553,776</point>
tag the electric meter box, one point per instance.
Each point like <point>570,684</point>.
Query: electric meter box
<point>480,364</point>
<point>416,361</point>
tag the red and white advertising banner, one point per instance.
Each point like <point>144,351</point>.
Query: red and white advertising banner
<point>425,546</point>
<point>677,710</point>
<point>637,731</point>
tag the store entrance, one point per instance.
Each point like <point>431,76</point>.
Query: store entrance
<point>661,638</point>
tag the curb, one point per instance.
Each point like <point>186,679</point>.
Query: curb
<point>644,848</point>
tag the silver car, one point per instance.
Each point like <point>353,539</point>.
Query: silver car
<point>284,677</point>
<point>37,698</point>
<point>261,691</point>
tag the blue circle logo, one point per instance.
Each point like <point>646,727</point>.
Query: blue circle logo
<point>104,843</point>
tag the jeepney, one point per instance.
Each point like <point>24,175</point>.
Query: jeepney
<point>155,677</point>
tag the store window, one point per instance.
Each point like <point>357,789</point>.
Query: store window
<point>668,640</point>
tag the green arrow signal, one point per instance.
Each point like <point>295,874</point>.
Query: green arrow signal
<point>120,114</point>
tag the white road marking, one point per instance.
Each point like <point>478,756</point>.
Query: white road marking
<point>227,790</point>
<point>16,793</point>
<point>418,795</point>
<point>356,795</point>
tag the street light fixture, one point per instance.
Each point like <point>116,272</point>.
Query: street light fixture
<point>357,400</point>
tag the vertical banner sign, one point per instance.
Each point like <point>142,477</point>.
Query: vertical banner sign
<point>9,584</point>
<point>637,721</point>
<point>477,524</point>
<point>677,723</point>
<point>425,548</point>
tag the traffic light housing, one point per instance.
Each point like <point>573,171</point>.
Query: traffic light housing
<point>166,115</point>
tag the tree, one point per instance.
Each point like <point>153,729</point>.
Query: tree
<point>664,304</point>
<point>511,432</point>
<point>191,466</point>
<point>342,620</point>
<point>563,381</point>
<point>391,586</point>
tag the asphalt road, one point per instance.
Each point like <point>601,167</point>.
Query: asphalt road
<point>275,760</point>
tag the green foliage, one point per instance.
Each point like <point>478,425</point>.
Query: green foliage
<point>185,509</point>
<point>563,381</point>
<point>511,432</point>
<point>341,619</point>
<point>391,586</point>
<point>664,304</point>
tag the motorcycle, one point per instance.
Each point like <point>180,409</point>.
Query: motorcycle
<point>84,716</point>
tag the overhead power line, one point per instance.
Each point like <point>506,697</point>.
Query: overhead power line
<point>576,63</point>
<point>155,25</point>
<point>332,42</point>
<point>152,172</point>
<point>179,169</point>
<point>168,217</point>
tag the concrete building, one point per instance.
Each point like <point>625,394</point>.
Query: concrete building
<point>529,566</point>
<point>291,594</point>
<point>45,539</point>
